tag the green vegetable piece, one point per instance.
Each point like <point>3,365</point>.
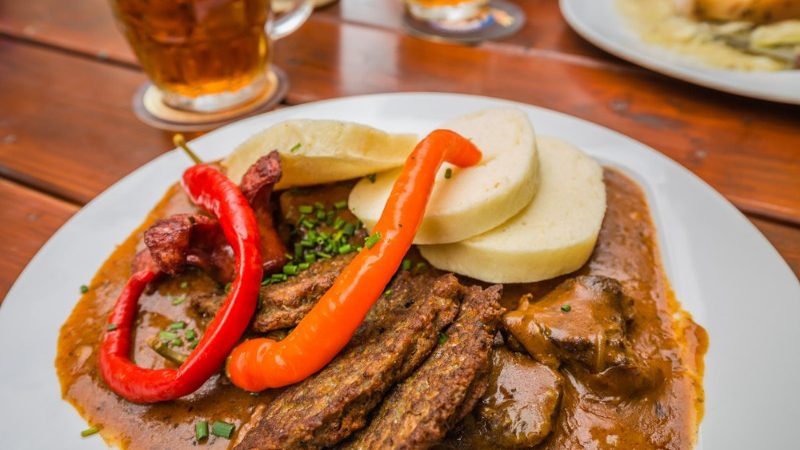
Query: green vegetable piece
<point>84,289</point>
<point>222,429</point>
<point>90,431</point>
<point>175,326</point>
<point>372,239</point>
<point>406,265</point>
<point>340,204</point>
<point>201,430</point>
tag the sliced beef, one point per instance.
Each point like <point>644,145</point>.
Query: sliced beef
<point>520,404</point>
<point>420,410</point>
<point>284,304</point>
<point>582,323</point>
<point>397,336</point>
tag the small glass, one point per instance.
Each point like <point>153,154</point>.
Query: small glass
<point>446,10</point>
<point>206,56</point>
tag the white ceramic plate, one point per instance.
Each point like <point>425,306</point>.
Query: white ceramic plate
<point>599,22</point>
<point>722,269</point>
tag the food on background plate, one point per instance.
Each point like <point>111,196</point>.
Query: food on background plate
<point>321,151</point>
<point>466,203</point>
<point>357,341</point>
<point>749,35</point>
<point>553,235</point>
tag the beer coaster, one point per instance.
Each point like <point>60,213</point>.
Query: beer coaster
<point>149,107</point>
<point>499,19</point>
<point>282,6</point>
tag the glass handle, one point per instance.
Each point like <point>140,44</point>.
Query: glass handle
<point>289,22</point>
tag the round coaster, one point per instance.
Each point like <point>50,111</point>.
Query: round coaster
<point>500,19</point>
<point>282,6</point>
<point>150,108</point>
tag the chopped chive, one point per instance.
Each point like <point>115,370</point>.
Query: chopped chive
<point>111,327</point>
<point>319,205</point>
<point>289,256</point>
<point>175,326</point>
<point>421,266</point>
<point>201,430</point>
<point>448,173</point>
<point>167,336</point>
<point>90,431</point>
<point>184,284</point>
<point>295,147</point>
<point>321,215</point>
<point>309,258</point>
<point>193,345</point>
<point>349,229</point>
<point>177,342</point>
<point>191,335</point>
<point>307,243</point>
<point>338,223</point>
<point>442,338</point>
<point>290,269</point>
<point>323,255</point>
<point>298,250</point>
<point>305,209</point>
<point>388,292</point>
<point>340,204</point>
<point>372,240</point>
<point>304,266</point>
<point>84,289</point>
<point>307,224</point>
<point>227,288</point>
<point>566,308</point>
<point>346,248</point>
<point>279,277</point>
<point>371,177</point>
<point>178,300</point>
<point>222,429</point>
<point>406,264</point>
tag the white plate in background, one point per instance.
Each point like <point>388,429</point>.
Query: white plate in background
<point>722,269</point>
<point>600,22</point>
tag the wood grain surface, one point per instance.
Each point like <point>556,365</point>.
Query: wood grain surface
<point>68,76</point>
<point>27,219</point>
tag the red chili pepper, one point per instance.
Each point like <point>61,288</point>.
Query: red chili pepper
<point>212,190</point>
<point>263,363</point>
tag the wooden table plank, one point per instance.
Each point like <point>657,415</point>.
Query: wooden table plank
<point>72,131</point>
<point>27,219</point>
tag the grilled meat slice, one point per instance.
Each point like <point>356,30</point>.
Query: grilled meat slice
<point>521,402</point>
<point>325,409</point>
<point>420,410</point>
<point>284,304</point>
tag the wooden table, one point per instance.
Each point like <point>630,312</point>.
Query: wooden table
<point>67,131</point>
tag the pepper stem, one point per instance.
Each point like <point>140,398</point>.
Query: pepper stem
<point>166,352</point>
<point>179,141</point>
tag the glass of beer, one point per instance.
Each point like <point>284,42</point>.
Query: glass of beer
<point>206,55</point>
<point>446,10</point>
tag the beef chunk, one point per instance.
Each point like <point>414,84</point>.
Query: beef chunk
<point>261,176</point>
<point>420,410</point>
<point>284,304</point>
<point>189,239</point>
<point>397,336</point>
<point>520,404</point>
<point>583,323</point>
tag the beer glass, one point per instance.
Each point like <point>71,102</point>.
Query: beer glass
<point>206,55</point>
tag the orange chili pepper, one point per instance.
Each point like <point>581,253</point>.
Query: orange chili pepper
<point>263,363</point>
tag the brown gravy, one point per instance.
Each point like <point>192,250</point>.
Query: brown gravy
<point>664,418</point>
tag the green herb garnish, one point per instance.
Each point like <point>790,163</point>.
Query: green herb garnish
<point>201,430</point>
<point>448,173</point>
<point>111,327</point>
<point>84,289</point>
<point>222,429</point>
<point>442,338</point>
<point>372,239</point>
<point>566,308</point>
<point>295,147</point>
<point>175,326</point>
<point>90,431</point>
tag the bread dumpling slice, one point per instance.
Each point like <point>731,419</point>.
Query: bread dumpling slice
<point>322,151</point>
<point>553,235</point>
<point>467,202</point>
